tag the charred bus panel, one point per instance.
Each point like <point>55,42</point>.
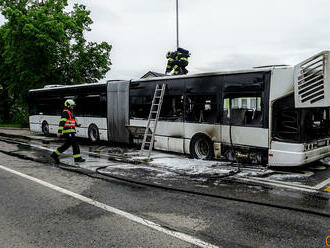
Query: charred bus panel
<point>300,131</point>
<point>299,135</point>
<point>206,110</point>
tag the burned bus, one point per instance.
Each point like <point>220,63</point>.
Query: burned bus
<point>276,115</point>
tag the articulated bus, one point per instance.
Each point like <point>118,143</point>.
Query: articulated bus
<point>275,115</point>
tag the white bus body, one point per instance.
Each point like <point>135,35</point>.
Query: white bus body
<point>47,104</point>
<point>272,115</point>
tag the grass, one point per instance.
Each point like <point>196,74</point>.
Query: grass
<point>15,125</point>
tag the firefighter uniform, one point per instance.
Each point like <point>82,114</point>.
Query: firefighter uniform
<point>67,127</point>
<point>177,61</point>
<point>181,63</point>
<point>170,61</point>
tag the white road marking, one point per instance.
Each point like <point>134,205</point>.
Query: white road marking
<point>323,184</point>
<point>139,220</point>
<point>280,184</point>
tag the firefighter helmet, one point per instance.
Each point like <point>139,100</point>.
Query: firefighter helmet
<point>68,103</point>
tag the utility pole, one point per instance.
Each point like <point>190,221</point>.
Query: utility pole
<point>177,24</point>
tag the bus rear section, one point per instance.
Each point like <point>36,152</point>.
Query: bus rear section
<point>300,131</point>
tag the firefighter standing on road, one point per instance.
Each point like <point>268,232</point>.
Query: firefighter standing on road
<point>67,129</point>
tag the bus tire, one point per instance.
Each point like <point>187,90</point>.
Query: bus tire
<point>45,128</point>
<point>201,147</point>
<point>93,133</point>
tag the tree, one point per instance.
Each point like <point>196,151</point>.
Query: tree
<point>43,43</point>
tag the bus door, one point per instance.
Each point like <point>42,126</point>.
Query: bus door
<point>242,119</point>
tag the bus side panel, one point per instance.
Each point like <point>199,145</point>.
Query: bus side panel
<point>176,145</point>
<point>37,120</point>
<point>250,136</point>
<point>53,122</point>
<point>211,130</point>
<point>85,122</point>
<point>169,135</point>
<point>175,133</point>
<point>118,111</point>
<point>35,123</point>
<point>161,143</point>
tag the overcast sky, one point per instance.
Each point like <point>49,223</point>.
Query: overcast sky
<point>220,35</point>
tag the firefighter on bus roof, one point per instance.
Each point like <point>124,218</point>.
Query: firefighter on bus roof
<point>170,61</point>
<point>67,129</point>
<point>177,61</point>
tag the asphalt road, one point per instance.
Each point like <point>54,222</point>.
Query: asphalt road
<point>33,215</point>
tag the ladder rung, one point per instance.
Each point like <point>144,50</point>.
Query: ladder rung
<point>151,127</point>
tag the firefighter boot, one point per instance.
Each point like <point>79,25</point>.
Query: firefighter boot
<point>54,156</point>
<point>79,160</point>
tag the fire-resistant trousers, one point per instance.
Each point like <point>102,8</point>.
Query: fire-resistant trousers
<point>70,140</point>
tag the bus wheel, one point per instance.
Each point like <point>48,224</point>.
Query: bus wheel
<point>201,147</point>
<point>93,133</point>
<point>45,128</point>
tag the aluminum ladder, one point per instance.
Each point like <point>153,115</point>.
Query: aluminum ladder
<point>149,134</point>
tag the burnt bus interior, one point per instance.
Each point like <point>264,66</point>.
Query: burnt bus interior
<point>298,125</point>
<point>203,99</point>
<point>231,99</point>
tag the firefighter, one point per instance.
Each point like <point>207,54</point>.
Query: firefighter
<point>170,61</point>
<point>67,129</point>
<point>177,61</point>
<point>181,62</point>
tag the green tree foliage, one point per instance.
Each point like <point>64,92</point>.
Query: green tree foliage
<point>42,42</point>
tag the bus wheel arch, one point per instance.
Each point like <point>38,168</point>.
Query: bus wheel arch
<point>45,128</point>
<point>201,146</point>
<point>93,133</point>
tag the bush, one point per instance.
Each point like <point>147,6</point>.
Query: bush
<point>19,116</point>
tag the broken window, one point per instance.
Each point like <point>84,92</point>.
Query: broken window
<point>140,106</point>
<point>172,108</point>
<point>201,109</point>
<point>242,111</point>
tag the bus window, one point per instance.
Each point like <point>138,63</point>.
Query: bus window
<point>91,106</point>
<point>242,111</point>
<point>140,106</point>
<point>201,109</point>
<point>46,106</point>
<point>172,108</point>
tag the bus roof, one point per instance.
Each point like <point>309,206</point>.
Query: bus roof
<point>256,69</point>
<point>46,88</point>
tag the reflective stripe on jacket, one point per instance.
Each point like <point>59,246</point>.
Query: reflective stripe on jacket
<point>67,122</point>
